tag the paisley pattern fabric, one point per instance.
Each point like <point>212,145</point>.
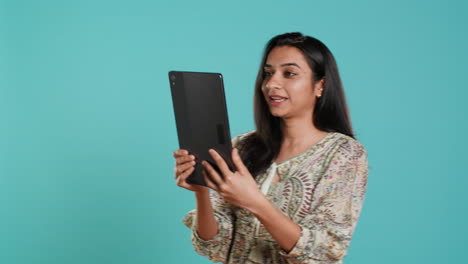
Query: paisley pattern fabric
<point>322,190</point>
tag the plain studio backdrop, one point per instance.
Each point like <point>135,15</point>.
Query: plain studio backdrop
<point>87,127</point>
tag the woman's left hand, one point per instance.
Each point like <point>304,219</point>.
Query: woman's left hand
<point>238,188</point>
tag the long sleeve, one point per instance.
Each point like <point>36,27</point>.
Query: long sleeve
<point>335,208</point>
<point>217,248</point>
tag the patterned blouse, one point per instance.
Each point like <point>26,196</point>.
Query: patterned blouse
<point>322,190</point>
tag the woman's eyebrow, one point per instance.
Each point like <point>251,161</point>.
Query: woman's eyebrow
<point>283,65</point>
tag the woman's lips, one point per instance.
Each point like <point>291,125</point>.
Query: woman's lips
<point>272,101</point>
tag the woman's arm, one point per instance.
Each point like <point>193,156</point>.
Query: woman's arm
<point>281,227</point>
<point>240,189</point>
<point>207,226</point>
<point>325,232</point>
<point>335,207</point>
<point>211,223</point>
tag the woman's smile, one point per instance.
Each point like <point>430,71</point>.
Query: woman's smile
<point>276,101</point>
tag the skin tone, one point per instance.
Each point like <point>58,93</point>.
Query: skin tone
<point>287,74</point>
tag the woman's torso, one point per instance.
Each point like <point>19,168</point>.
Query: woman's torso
<point>291,193</point>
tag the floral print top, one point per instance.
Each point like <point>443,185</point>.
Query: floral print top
<point>322,190</point>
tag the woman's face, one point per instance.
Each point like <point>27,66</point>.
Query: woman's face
<point>288,77</point>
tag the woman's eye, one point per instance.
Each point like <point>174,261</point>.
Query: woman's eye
<point>287,74</point>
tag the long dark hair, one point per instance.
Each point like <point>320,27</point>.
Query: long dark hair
<point>331,114</point>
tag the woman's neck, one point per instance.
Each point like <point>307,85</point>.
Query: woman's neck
<point>297,133</point>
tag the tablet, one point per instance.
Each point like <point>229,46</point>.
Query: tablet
<point>201,118</point>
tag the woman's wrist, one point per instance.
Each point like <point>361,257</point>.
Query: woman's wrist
<point>202,198</point>
<point>260,203</point>
<point>202,193</point>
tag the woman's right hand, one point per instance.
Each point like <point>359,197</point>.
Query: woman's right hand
<point>184,166</point>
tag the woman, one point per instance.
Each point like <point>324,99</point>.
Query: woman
<point>301,175</point>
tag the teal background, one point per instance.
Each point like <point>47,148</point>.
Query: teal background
<point>87,127</point>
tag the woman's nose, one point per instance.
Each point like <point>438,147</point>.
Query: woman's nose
<point>272,83</point>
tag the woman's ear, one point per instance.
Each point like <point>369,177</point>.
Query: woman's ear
<point>319,86</point>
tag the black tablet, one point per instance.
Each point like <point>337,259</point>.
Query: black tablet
<point>201,118</point>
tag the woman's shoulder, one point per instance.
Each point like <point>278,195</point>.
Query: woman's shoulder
<point>347,145</point>
<point>342,143</point>
<point>235,140</point>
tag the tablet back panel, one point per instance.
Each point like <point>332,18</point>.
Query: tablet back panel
<point>201,118</point>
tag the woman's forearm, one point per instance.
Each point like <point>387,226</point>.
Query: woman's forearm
<point>281,227</point>
<point>207,226</point>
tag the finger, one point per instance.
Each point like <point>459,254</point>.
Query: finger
<point>180,152</point>
<point>184,158</point>
<point>236,159</point>
<point>184,167</point>
<point>220,162</point>
<point>213,174</point>
<point>209,182</point>
<point>182,177</point>
<point>185,174</point>
<point>179,157</point>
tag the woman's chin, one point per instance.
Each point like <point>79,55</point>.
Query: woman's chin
<point>276,114</point>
